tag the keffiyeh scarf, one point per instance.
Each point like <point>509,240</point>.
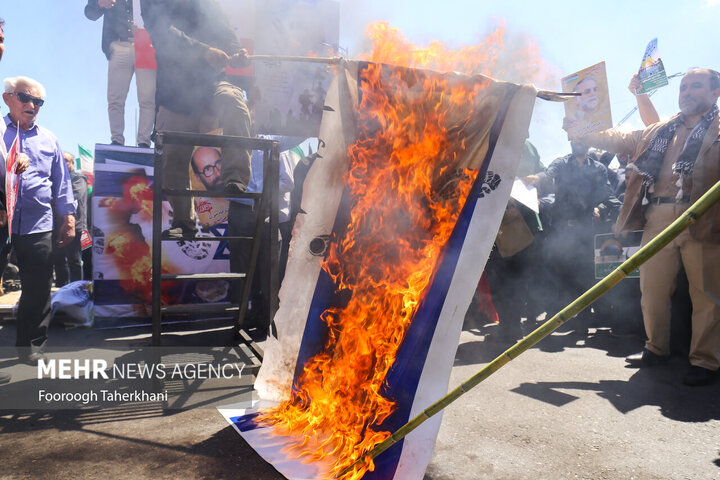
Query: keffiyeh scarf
<point>650,161</point>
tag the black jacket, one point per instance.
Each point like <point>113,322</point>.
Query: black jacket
<point>182,31</point>
<point>80,191</point>
<point>579,188</point>
<point>116,21</point>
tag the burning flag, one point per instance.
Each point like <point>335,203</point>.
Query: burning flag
<point>400,211</point>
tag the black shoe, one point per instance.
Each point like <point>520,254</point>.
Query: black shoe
<point>11,272</point>
<point>116,143</point>
<point>233,188</point>
<point>699,376</point>
<point>646,358</point>
<point>178,233</point>
<point>5,378</point>
<point>143,145</point>
<point>33,359</point>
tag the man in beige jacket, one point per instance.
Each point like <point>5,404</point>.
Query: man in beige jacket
<point>674,163</point>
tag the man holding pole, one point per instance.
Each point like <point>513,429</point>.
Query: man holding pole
<point>676,162</point>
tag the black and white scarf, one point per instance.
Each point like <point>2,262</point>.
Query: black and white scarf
<point>650,161</point>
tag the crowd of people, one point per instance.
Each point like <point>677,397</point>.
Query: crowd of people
<point>540,263</point>
<point>661,171</point>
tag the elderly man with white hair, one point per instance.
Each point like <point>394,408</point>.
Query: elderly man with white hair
<point>46,181</point>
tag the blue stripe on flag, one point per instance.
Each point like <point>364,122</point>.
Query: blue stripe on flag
<point>403,378</point>
<point>324,297</point>
<point>246,423</point>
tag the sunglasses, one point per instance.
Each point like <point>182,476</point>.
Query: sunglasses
<point>25,98</point>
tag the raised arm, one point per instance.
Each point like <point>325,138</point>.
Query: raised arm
<point>648,114</point>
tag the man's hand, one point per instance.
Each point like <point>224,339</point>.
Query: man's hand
<point>648,114</point>
<point>240,59</point>
<point>22,162</point>
<point>67,231</point>
<point>635,85</point>
<point>619,233</point>
<point>216,58</point>
<point>569,125</point>
<point>106,3</point>
<point>3,218</point>
<point>531,179</point>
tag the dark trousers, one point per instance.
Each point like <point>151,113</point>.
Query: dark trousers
<point>569,259</point>
<point>5,247</point>
<point>87,263</point>
<point>67,261</point>
<point>34,256</point>
<point>513,283</point>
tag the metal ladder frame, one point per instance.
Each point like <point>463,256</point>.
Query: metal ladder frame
<point>267,201</point>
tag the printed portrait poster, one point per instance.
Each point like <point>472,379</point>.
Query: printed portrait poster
<point>589,112</point>
<point>204,172</point>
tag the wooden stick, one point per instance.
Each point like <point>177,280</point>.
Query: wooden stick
<point>280,58</point>
<point>543,94</point>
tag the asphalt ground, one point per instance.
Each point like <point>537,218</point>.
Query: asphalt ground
<point>568,408</point>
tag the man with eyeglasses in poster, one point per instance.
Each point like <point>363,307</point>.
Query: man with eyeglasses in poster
<point>45,182</point>
<point>206,163</point>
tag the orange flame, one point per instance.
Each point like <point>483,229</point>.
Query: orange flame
<point>407,191</point>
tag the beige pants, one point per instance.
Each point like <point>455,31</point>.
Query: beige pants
<point>657,284</point>
<point>229,112</point>
<point>121,68</point>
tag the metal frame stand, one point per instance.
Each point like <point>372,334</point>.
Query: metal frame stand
<point>267,201</point>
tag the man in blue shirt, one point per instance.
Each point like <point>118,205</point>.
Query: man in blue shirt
<point>44,183</point>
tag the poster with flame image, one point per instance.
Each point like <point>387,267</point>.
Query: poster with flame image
<point>122,232</point>
<point>414,171</point>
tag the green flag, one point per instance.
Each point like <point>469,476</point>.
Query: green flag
<point>86,165</point>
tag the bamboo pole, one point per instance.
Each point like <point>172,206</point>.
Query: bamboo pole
<point>696,210</point>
